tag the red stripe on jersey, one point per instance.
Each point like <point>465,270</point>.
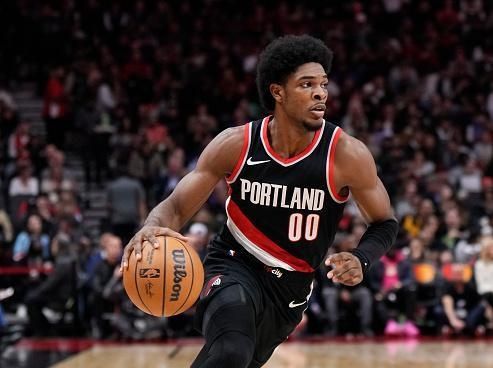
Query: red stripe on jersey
<point>244,151</point>
<point>330,167</point>
<point>262,241</point>
<point>273,153</point>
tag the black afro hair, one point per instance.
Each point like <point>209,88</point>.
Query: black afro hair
<point>282,57</point>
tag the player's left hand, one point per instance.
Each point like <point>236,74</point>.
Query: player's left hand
<point>346,269</point>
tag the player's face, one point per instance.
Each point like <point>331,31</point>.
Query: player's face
<point>305,94</point>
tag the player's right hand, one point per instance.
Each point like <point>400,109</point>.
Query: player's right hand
<point>146,234</point>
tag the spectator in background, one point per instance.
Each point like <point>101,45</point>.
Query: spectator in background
<point>413,223</point>
<point>420,166</point>
<point>18,142</point>
<point>198,235</point>
<point>55,108</point>
<point>483,273</point>
<point>355,121</point>
<point>126,203</point>
<point>105,97</point>
<point>56,179</point>
<point>153,130</point>
<point>99,144</point>
<point>395,293</point>
<point>124,139</point>
<point>8,115</point>
<point>32,245</point>
<point>85,120</point>
<point>145,164</point>
<point>489,104</point>
<point>485,208</point>
<point>446,197</point>
<point>417,250</point>
<point>68,208</point>
<point>7,336</point>
<point>406,203</point>
<point>46,211</point>
<point>24,184</point>
<point>137,74</point>
<point>6,232</point>
<point>105,272</point>
<point>89,257</point>
<point>201,125</point>
<point>452,231</point>
<point>484,148</point>
<point>470,180</point>
<point>56,290</point>
<point>463,311</point>
<point>468,247</point>
<point>174,171</point>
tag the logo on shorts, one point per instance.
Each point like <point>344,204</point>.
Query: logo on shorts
<point>217,282</point>
<point>149,273</point>
<point>294,305</point>
<point>275,271</point>
<point>213,282</point>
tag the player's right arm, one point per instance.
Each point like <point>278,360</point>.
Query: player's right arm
<point>216,162</point>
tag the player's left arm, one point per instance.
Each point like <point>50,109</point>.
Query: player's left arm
<point>355,171</point>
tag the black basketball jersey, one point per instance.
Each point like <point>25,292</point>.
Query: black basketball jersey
<point>285,212</point>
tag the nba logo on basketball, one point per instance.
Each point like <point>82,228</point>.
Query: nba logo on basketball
<point>170,284</point>
<point>149,273</point>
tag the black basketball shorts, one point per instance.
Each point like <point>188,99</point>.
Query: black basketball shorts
<point>278,297</point>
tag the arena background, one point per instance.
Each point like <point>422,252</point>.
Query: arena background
<point>105,105</point>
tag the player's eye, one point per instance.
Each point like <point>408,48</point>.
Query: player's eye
<point>306,84</point>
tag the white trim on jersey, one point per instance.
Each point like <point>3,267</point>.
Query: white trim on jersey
<point>266,145</point>
<point>257,252</point>
<point>337,131</point>
<point>263,256</point>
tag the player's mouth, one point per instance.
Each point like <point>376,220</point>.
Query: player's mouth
<point>318,110</point>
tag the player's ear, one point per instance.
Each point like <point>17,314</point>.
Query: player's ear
<point>277,92</point>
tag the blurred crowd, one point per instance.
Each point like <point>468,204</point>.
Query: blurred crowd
<point>138,88</point>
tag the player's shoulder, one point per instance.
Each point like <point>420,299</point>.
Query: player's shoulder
<point>235,133</point>
<point>222,153</point>
<point>351,149</point>
<point>232,138</point>
<point>353,160</point>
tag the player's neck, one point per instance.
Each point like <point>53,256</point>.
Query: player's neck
<point>288,138</point>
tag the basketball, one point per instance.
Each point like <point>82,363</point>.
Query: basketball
<point>167,280</point>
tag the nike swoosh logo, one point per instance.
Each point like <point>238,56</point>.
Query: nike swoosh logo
<point>294,305</point>
<point>250,162</point>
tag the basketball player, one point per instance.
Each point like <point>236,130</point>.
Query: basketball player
<point>290,175</point>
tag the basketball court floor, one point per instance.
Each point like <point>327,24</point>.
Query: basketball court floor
<point>312,354</point>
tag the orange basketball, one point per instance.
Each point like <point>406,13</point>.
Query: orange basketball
<point>167,280</point>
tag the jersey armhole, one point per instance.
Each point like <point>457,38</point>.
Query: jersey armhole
<point>243,154</point>
<point>330,168</point>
